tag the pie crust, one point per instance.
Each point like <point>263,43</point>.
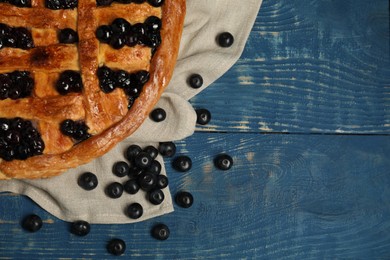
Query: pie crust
<point>107,116</point>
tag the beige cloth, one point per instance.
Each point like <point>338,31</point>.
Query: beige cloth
<point>199,53</point>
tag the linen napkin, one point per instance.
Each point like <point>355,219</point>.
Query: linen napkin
<point>199,53</point>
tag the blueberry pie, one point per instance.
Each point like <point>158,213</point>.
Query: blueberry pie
<point>77,77</point>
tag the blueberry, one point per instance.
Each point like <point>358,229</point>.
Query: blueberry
<point>131,186</point>
<point>160,232</point>
<point>117,41</point>
<point>123,79</point>
<point>104,33</point>
<point>223,162</point>
<point>135,210</point>
<point>68,35</point>
<point>88,181</point>
<point>141,77</point>
<point>120,26</point>
<point>155,167</point>
<point>156,3</point>
<point>225,39</point>
<point>138,29</point>
<point>135,172</point>
<point>133,91</point>
<point>132,151</point>
<point>162,181</point>
<point>158,115</point>
<point>24,38</point>
<point>121,169</point>
<point>32,223</point>
<point>151,150</point>
<point>131,39</point>
<point>167,149</point>
<point>156,197</point>
<point>80,228</point>
<point>195,81</point>
<point>203,116</point>
<point>138,1</point>
<point>153,23</point>
<point>68,127</point>
<point>1,43</point>
<point>184,199</point>
<point>147,181</point>
<point>182,163</point>
<point>143,160</point>
<point>21,3</point>
<point>116,246</point>
<point>81,131</point>
<point>114,190</point>
<point>104,2</point>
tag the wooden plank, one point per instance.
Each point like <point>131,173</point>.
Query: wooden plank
<point>308,67</point>
<point>287,196</point>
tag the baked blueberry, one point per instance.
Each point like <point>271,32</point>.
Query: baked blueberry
<point>141,77</point>
<point>81,131</point>
<point>24,38</point>
<point>123,79</point>
<point>68,35</point>
<point>138,29</point>
<point>69,81</point>
<point>156,197</point>
<point>32,223</point>
<point>61,4</point>
<point>147,181</point>
<point>114,190</point>
<point>131,186</point>
<point>143,160</point>
<point>203,116</point>
<point>138,1</point>
<point>104,33</point>
<point>120,26</point>
<point>223,162</point>
<point>195,81</point>
<point>156,3</point>
<point>167,149</point>
<point>151,150</point>
<point>158,115</point>
<point>104,2</point>
<point>21,3</point>
<point>116,246</point>
<point>225,39</point>
<point>155,167</point>
<point>132,151</point>
<point>134,210</point>
<point>88,181</point>
<point>184,199</point>
<point>162,181</point>
<point>153,24</point>
<point>117,41</point>
<point>160,232</point>
<point>182,163</point>
<point>121,169</point>
<point>131,39</point>
<point>80,228</point>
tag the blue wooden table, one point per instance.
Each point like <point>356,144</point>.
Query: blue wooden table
<point>305,113</point>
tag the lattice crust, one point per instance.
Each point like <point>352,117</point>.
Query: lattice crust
<point>106,114</point>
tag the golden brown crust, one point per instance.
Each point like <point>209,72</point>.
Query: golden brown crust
<point>161,69</point>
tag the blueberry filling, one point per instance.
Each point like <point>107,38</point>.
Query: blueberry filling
<point>68,35</point>
<point>18,3</point>
<point>15,85</point>
<point>19,139</point>
<point>155,3</point>
<point>131,83</point>
<point>120,33</point>
<point>78,130</point>
<point>69,81</point>
<point>15,37</point>
<point>61,4</point>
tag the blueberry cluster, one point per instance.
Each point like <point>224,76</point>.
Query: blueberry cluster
<point>155,3</point>
<point>61,4</point>
<point>15,85</point>
<point>131,83</point>
<point>15,37</point>
<point>69,81</point>
<point>19,139</point>
<point>120,33</point>
<point>18,3</point>
<point>78,130</point>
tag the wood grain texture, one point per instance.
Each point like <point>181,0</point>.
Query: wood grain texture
<point>286,197</point>
<point>309,67</point>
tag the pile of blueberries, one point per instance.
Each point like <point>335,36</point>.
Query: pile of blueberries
<point>18,3</point>
<point>69,81</point>
<point>155,3</point>
<point>16,84</point>
<point>61,4</point>
<point>120,33</point>
<point>19,139</point>
<point>15,37</point>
